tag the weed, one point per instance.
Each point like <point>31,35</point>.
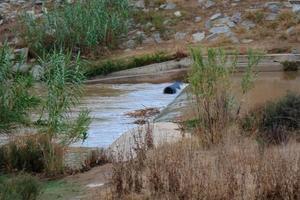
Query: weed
<point>281,118</point>
<point>15,98</point>
<point>83,24</point>
<point>21,187</point>
<point>27,154</point>
<point>288,19</point>
<point>210,90</point>
<point>255,16</point>
<point>236,169</point>
<point>291,65</point>
<point>122,64</point>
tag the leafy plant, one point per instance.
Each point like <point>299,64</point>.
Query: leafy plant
<point>281,117</point>
<point>83,24</point>
<point>63,79</point>
<point>15,97</point>
<point>110,66</point>
<point>210,82</point>
<point>291,65</point>
<point>21,187</point>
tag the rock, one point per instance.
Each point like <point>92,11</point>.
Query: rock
<point>247,41</point>
<point>271,17</point>
<point>148,40</point>
<point>168,6</point>
<point>236,17</point>
<point>216,16</point>
<point>130,44</point>
<point>274,7</point>
<point>225,21</point>
<point>157,38</point>
<point>212,36</point>
<point>37,72</point>
<point>295,6</point>
<point>234,39</point>
<point>221,29</point>
<point>22,53</point>
<point>290,30</point>
<point>206,3</point>
<point>140,4</point>
<point>180,36</point>
<point>20,67</point>
<point>198,37</point>
<point>247,24</point>
<point>198,19</point>
<point>177,14</point>
<point>208,24</point>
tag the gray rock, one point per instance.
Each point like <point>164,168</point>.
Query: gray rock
<point>198,37</point>
<point>180,36</point>
<point>236,17</point>
<point>247,41</point>
<point>130,44</point>
<point>148,40</point>
<point>168,6</point>
<point>271,17</point>
<point>234,39</point>
<point>157,38</point>
<point>247,24</point>
<point>225,21</point>
<point>290,30</point>
<point>212,36</point>
<point>208,24</point>
<point>140,4</point>
<point>37,72</point>
<point>216,16</point>
<point>221,29</point>
<point>21,67</point>
<point>22,53</point>
<point>296,7</point>
<point>177,14</point>
<point>198,19</point>
<point>206,3</point>
<point>274,7</point>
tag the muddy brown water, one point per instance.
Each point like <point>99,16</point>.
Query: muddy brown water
<point>108,103</point>
<point>270,86</point>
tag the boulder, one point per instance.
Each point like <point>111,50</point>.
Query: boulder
<point>37,72</point>
<point>198,37</point>
<point>247,24</point>
<point>180,36</point>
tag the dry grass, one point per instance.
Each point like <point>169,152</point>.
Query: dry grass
<point>238,168</point>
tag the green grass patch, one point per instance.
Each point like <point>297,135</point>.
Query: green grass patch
<point>80,25</point>
<point>49,190</point>
<point>291,65</point>
<point>109,66</point>
<point>60,189</point>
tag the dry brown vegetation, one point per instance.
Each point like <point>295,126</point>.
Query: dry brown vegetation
<point>237,168</point>
<point>219,161</point>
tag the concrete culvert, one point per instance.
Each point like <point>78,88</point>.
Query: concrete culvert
<point>172,89</point>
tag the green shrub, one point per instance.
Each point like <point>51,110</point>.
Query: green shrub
<point>122,64</point>
<point>22,187</point>
<point>211,90</point>
<point>64,85</point>
<point>281,118</point>
<point>15,97</point>
<point>276,121</point>
<point>28,154</point>
<point>83,24</point>
<point>291,65</point>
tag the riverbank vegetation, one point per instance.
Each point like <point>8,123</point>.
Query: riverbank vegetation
<point>42,151</point>
<point>80,26</point>
<point>219,161</point>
